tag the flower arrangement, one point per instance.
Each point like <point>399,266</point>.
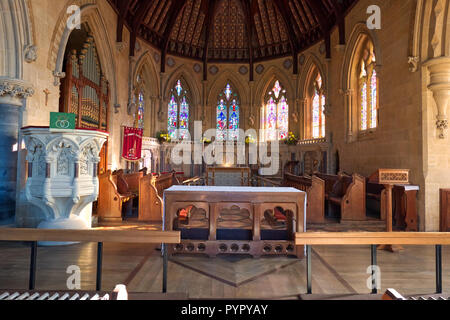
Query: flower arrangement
<point>206,141</point>
<point>250,140</point>
<point>163,136</point>
<point>291,139</point>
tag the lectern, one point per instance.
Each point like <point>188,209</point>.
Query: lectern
<point>388,178</point>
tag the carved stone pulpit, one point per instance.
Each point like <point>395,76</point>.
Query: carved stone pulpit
<point>62,175</point>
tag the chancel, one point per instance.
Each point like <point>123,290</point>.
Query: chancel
<point>224,149</point>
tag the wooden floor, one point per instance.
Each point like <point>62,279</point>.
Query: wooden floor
<point>336,270</point>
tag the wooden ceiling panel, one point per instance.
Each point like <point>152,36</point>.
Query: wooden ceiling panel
<point>264,29</point>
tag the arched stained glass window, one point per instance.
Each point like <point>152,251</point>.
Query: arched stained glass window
<point>275,115</point>
<point>178,112</point>
<point>318,108</point>
<point>139,102</point>
<point>368,89</point>
<point>228,115</point>
<point>141,110</point>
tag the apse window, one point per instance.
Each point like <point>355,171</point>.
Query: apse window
<point>368,89</point>
<point>178,113</point>
<point>275,115</point>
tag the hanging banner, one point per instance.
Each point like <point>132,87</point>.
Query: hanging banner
<point>132,144</point>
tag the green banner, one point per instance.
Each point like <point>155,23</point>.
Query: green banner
<point>62,121</point>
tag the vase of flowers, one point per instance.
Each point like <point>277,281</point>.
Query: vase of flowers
<point>250,140</point>
<point>206,141</point>
<point>291,139</point>
<point>163,137</point>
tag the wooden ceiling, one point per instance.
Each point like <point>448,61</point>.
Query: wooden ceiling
<point>243,31</point>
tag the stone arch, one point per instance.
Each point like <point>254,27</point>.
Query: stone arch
<point>90,13</point>
<point>312,68</point>
<point>266,80</point>
<point>311,62</point>
<point>151,90</point>
<point>220,83</point>
<point>146,64</point>
<point>263,87</point>
<point>17,43</point>
<point>186,74</point>
<point>348,82</point>
<point>360,30</point>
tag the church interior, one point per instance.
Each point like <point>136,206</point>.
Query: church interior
<point>224,149</point>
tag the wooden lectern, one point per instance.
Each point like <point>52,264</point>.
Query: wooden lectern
<point>388,178</point>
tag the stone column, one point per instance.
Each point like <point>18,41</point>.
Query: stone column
<point>12,95</point>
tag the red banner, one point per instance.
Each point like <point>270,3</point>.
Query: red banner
<point>132,144</point>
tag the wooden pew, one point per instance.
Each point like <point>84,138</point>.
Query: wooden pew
<point>132,180</point>
<point>151,192</point>
<point>349,193</point>
<point>315,189</point>
<point>113,194</point>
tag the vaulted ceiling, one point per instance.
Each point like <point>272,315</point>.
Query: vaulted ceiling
<point>230,30</point>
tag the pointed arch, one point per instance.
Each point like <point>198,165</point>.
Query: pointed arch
<point>228,113</point>
<point>186,74</point>
<point>144,90</point>
<point>90,14</point>
<point>220,82</point>
<point>269,77</point>
<point>312,62</point>
<point>352,86</point>
<point>313,94</point>
<point>146,66</point>
<point>359,31</point>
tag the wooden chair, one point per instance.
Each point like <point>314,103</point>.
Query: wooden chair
<point>315,189</point>
<point>113,195</point>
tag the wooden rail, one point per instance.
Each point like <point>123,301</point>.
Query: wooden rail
<point>373,239</point>
<point>94,235</point>
<point>116,236</point>
<point>265,182</point>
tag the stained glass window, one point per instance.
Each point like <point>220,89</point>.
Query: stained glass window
<point>318,109</point>
<point>227,128</point>
<point>140,112</point>
<point>373,92</point>
<point>139,102</point>
<point>178,113</point>
<point>275,115</point>
<point>368,92</point>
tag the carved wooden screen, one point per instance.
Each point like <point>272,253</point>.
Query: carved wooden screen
<point>85,92</point>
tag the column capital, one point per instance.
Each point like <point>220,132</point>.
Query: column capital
<point>13,91</point>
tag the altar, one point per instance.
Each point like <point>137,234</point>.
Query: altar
<point>235,220</point>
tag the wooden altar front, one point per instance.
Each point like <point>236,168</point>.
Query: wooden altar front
<point>228,176</point>
<point>235,220</point>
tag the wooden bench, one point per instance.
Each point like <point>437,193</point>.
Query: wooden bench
<point>113,194</point>
<point>132,180</point>
<point>315,190</point>
<point>348,193</point>
<point>151,192</point>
